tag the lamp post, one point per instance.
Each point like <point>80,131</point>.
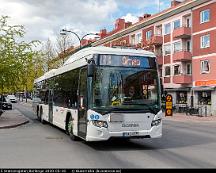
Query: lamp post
<point>63,32</point>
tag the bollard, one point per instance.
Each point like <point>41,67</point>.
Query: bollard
<point>206,111</point>
<point>200,111</point>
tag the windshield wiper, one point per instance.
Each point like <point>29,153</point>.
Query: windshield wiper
<point>115,110</point>
<point>152,109</point>
<point>126,110</point>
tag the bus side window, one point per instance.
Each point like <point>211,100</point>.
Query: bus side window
<point>83,88</point>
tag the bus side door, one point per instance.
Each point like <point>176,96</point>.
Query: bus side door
<point>82,100</point>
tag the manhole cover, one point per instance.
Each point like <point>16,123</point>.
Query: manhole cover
<point>54,137</point>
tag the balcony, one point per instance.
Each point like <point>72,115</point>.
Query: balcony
<point>182,55</point>
<point>167,80</point>
<point>182,79</point>
<point>182,32</point>
<point>155,40</point>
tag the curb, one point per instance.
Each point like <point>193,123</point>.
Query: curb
<point>191,119</point>
<point>14,125</point>
<point>16,118</point>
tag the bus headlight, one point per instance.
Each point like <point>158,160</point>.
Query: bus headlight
<point>156,122</point>
<point>100,124</point>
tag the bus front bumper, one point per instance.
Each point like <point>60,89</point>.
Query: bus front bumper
<point>102,134</point>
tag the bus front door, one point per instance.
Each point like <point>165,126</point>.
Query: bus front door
<point>50,103</point>
<point>82,110</point>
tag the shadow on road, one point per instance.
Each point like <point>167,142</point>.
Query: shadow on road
<point>175,135</point>
<point>170,139</point>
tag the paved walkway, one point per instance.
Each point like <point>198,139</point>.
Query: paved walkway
<point>182,117</point>
<point>28,103</point>
<point>12,118</point>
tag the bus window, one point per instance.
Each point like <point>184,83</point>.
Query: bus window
<point>83,88</point>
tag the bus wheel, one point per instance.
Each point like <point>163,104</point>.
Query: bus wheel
<point>41,116</point>
<point>70,129</point>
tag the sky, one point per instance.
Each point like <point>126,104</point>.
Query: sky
<point>44,19</point>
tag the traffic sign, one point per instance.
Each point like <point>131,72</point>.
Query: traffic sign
<point>169,107</point>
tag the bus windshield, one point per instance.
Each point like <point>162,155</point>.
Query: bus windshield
<point>125,89</point>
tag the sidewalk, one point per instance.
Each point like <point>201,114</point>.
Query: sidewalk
<point>182,117</point>
<point>28,103</point>
<point>12,118</point>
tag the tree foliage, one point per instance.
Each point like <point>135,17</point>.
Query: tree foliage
<point>20,64</point>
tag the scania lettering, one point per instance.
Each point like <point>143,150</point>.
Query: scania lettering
<point>100,93</point>
<point>130,125</point>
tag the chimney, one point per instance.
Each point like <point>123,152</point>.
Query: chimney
<point>145,16</point>
<point>140,18</point>
<point>175,3</point>
<point>103,33</point>
<point>119,24</point>
<point>127,24</point>
<point>84,42</point>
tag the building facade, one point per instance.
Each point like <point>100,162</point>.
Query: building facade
<point>183,38</point>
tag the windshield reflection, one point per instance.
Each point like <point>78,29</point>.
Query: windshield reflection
<point>120,88</point>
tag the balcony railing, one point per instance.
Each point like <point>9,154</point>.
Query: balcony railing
<point>182,32</point>
<point>156,40</point>
<point>182,55</point>
<point>182,79</point>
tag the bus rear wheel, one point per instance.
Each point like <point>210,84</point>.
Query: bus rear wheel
<point>70,129</point>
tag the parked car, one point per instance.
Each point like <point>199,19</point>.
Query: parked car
<point>12,98</point>
<point>4,104</point>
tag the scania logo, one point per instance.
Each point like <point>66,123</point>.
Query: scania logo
<point>130,125</point>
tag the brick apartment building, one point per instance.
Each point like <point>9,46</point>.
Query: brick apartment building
<point>184,39</point>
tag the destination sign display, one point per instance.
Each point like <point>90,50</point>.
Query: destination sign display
<point>127,61</point>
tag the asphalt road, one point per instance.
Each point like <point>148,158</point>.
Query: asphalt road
<point>34,145</point>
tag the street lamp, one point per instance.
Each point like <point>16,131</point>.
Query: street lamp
<point>63,32</point>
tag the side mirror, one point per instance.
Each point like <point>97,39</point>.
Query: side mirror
<point>90,69</point>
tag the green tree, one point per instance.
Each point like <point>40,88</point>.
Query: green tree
<point>20,64</point>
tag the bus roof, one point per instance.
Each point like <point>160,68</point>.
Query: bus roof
<point>78,59</point>
<point>106,50</point>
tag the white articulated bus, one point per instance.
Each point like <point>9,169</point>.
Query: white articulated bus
<point>102,92</point>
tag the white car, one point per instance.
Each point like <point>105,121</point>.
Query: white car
<point>12,98</point>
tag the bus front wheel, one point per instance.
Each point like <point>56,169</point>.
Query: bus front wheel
<point>70,129</point>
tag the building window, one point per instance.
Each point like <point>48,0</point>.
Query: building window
<point>188,46</point>
<point>205,41</point>
<point>176,24</point>
<point>138,38</point>
<point>204,16</point>
<point>204,97</point>
<point>188,69</point>
<point>205,66</point>
<point>167,49</point>
<point>181,97</point>
<point>148,35</point>
<point>177,46</point>
<point>133,39</point>
<point>167,71</point>
<point>167,28</point>
<point>177,69</point>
